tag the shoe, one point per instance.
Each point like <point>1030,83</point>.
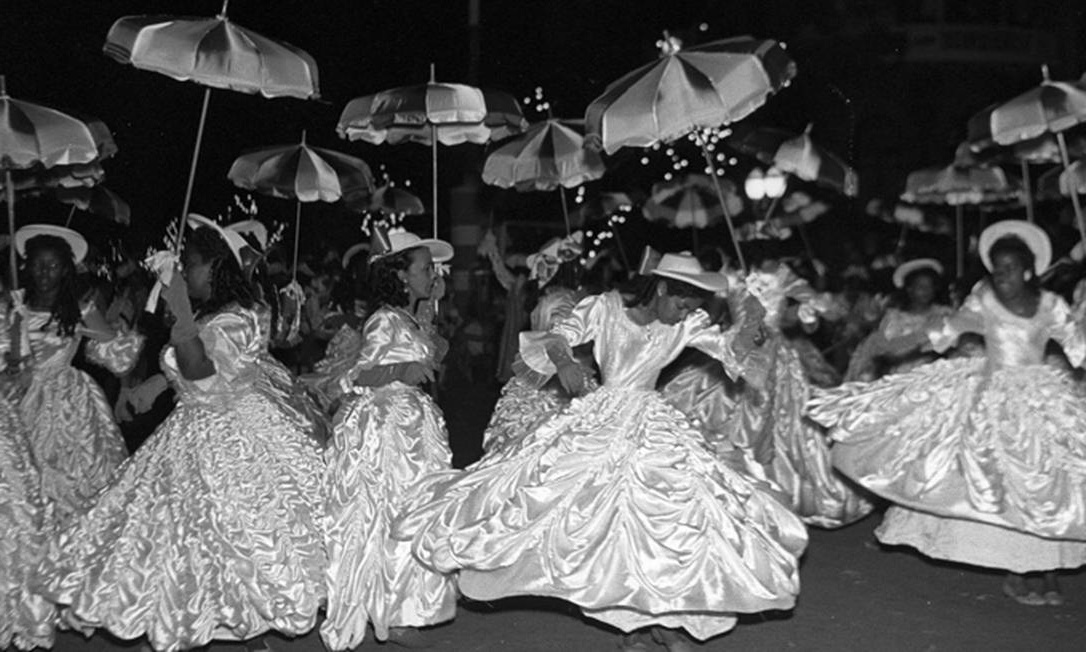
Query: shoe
<point>1021,595</point>
<point>409,637</point>
<point>1053,598</point>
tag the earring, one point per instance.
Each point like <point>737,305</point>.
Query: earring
<point>1028,275</point>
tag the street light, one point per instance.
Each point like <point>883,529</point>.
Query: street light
<point>765,185</point>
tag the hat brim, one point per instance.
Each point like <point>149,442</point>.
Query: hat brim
<point>354,251</point>
<point>1034,237</point>
<point>233,239</point>
<point>440,251</point>
<point>711,281</point>
<point>76,241</point>
<point>904,269</point>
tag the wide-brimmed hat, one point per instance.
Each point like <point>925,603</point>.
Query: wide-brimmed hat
<point>543,264</point>
<point>76,241</point>
<point>387,243</point>
<point>353,251</point>
<point>904,269</point>
<point>254,233</point>
<point>686,268</point>
<point>233,239</point>
<point>1032,235</point>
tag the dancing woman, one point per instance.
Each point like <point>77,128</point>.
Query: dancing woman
<point>614,503</point>
<point>984,458</point>
<point>212,529</point>
<point>387,435</point>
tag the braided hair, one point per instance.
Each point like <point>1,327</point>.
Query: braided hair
<point>228,282</point>
<point>386,286</point>
<point>65,311</point>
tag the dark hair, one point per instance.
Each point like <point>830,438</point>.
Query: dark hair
<point>570,275</point>
<point>643,289</point>
<point>65,311</point>
<point>386,286</point>
<point>228,282</point>
<point>1015,246</point>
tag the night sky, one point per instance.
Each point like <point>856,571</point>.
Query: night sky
<point>52,53</point>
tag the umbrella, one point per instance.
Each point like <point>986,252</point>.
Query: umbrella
<point>1058,183</point>
<point>431,113</point>
<point>215,53</point>
<point>690,203</point>
<point>389,200</point>
<point>302,173</point>
<point>1050,108</point>
<point>550,155</point>
<point>959,186</point>
<point>685,91</point>
<point>35,136</point>
<point>797,155</point>
<point>98,200</point>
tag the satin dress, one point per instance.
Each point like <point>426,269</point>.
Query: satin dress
<point>27,620</point>
<point>768,423</point>
<point>73,435</point>
<point>522,405</point>
<point>288,392</point>
<point>864,364</point>
<point>384,439</point>
<point>212,530</point>
<point>984,458</point>
<point>614,503</point>
<point>339,357</point>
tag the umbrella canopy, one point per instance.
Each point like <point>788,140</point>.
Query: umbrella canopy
<point>691,202</point>
<point>955,186</point>
<point>1040,150</point>
<point>688,89</point>
<point>388,200</point>
<point>1057,183</point>
<point>797,155</point>
<point>99,200</point>
<point>549,155</point>
<point>301,172</point>
<point>429,114</point>
<point>213,52</point>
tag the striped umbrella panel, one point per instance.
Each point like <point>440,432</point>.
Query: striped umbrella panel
<point>302,173</point>
<point>549,155</point>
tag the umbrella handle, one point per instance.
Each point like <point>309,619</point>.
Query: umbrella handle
<point>565,207</point>
<point>1074,190</point>
<point>192,174</point>
<point>723,202</point>
<point>1027,189</point>
<point>297,238</point>
<point>433,165</point>
<point>12,260</point>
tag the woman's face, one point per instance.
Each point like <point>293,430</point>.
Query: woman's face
<point>419,275</point>
<point>1008,274</point>
<point>920,290</point>
<point>197,274</point>
<point>46,270</point>
<point>671,309</point>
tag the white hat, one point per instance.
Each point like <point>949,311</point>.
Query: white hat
<point>253,228</point>
<point>904,269</point>
<point>686,268</point>
<point>354,251</point>
<point>77,242</point>
<point>385,243</point>
<point>1032,235</point>
<point>233,239</point>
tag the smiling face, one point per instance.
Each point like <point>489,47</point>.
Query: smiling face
<point>1009,274</point>
<point>419,276</point>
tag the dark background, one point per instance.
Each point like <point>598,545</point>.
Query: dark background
<point>874,96</point>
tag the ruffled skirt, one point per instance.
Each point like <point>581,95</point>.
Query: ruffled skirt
<point>210,531</point>
<point>770,425</point>
<point>616,505</point>
<point>75,440</point>
<point>1004,447</point>
<point>26,618</point>
<point>384,440</point>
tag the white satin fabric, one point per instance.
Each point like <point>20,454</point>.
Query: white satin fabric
<point>864,364</point>
<point>212,529</point>
<point>614,503</point>
<point>384,440</point>
<point>998,440</point>
<point>27,620</point>
<point>73,435</point>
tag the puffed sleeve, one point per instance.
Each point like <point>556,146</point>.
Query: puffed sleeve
<point>1066,330</point>
<point>231,340</point>
<point>708,338</point>
<point>968,319</point>
<point>579,327</point>
<point>118,355</point>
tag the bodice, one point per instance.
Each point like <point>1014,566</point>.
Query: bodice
<point>233,340</point>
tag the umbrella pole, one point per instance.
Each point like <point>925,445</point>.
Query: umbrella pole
<point>723,203</point>
<point>565,207</point>
<point>1028,190</point>
<point>12,261</point>
<point>959,233</point>
<point>297,238</point>
<point>192,173</point>
<point>71,214</point>
<point>1074,189</point>
<point>433,172</point>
